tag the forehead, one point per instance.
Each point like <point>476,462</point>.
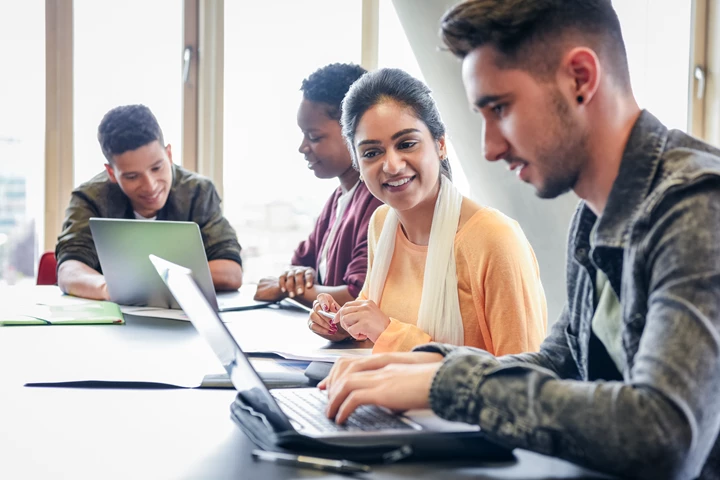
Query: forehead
<point>385,119</point>
<point>483,76</point>
<point>140,158</point>
<point>313,114</point>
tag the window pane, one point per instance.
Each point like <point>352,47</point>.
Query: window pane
<point>395,51</point>
<point>659,62</point>
<point>271,198</point>
<point>22,137</point>
<point>125,52</point>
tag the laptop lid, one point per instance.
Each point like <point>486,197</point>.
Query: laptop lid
<point>207,322</point>
<point>123,247</point>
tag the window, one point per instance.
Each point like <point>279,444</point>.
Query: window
<point>271,198</point>
<point>22,137</point>
<point>394,51</point>
<point>659,62</point>
<point>125,52</point>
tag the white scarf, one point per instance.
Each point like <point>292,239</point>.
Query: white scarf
<point>439,312</point>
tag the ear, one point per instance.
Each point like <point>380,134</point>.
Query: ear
<point>111,172</point>
<point>441,147</point>
<point>168,151</point>
<point>582,67</point>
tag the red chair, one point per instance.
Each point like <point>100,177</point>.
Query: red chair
<point>47,269</point>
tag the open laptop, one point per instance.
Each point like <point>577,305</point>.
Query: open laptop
<point>123,247</point>
<point>298,410</point>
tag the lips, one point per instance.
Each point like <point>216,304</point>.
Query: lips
<point>399,184</point>
<point>152,198</point>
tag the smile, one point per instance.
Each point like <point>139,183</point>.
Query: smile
<point>399,184</point>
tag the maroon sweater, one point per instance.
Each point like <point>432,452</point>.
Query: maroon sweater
<point>347,260</point>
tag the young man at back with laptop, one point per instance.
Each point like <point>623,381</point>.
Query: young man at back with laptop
<point>141,182</point>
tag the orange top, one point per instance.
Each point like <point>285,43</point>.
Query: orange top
<point>502,302</point>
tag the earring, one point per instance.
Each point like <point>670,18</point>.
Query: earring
<point>361,178</point>
<point>580,99</point>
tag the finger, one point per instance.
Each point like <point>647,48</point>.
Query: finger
<point>309,278</point>
<point>357,331</point>
<point>281,281</point>
<point>318,319</point>
<point>326,301</point>
<point>353,401</point>
<point>319,330</point>
<point>290,284</point>
<point>344,387</point>
<point>299,281</point>
<point>346,320</point>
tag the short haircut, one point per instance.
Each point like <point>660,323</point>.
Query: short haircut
<point>395,85</point>
<point>329,84</point>
<point>528,34</point>
<point>127,128</point>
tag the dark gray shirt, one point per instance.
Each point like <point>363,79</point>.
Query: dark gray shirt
<point>192,198</point>
<point>658,243</point>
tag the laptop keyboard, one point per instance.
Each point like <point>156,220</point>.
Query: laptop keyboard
<point>307,407</point>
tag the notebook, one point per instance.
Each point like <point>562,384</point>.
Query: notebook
<point>85,313</point>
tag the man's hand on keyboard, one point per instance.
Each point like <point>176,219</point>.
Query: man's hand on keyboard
<point>396,386</point>
<point>346,366</point>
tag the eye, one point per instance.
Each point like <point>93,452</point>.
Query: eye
<point>499,109</point>
<point>407,144</point>
<point>315,139</point>
<point>370,154</point>
<point>130,177</point>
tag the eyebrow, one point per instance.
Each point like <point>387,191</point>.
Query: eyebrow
<point>394,137</point>
<point>157,163</point>
<point>487,99</point>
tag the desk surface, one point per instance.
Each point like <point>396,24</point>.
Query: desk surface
<point>78,433</point>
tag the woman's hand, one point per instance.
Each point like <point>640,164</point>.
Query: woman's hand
<point>268,290</point>
<point>322,324</point>
<point>296,279</point>
<point>362,319</point>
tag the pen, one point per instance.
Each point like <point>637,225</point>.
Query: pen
<point>297,304</point>
<point>340,466</point>
<point>330,315</point>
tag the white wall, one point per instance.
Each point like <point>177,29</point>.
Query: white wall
<point>545,222</point>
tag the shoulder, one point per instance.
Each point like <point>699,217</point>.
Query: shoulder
<point>188,182</point>
<point>376,222</point>
<point>97,185</point>
<point>483,228</point>
<point>363,195</point>
<point>101,192</point>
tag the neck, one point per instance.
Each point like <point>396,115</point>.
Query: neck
<point>417,222</point>
<point>606,145</point>
<point>349,178</point>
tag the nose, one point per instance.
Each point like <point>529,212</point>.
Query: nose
<point>148,184</point>
<point>393,163</point>
<point>496,147</point>
<point>304,146</point>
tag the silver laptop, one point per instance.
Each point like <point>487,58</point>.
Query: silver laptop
<point>123,247</point>
<point>298,409</point>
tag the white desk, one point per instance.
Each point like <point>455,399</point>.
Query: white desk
<point>155,434</point>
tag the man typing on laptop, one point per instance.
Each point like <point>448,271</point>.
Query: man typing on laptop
<point>141,182</point>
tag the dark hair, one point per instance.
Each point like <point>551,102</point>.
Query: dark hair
<point>391,84</point>
<point>329,85</point>
<point>527,33</point>
<point>127,128</point>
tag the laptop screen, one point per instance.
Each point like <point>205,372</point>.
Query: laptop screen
<point>209,325</point>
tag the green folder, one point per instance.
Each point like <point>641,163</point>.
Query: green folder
<point>90,313</point>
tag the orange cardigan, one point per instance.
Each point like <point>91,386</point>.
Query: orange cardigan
<point>502,302</point>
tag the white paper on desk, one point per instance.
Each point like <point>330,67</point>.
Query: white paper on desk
<point>319,355</point>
